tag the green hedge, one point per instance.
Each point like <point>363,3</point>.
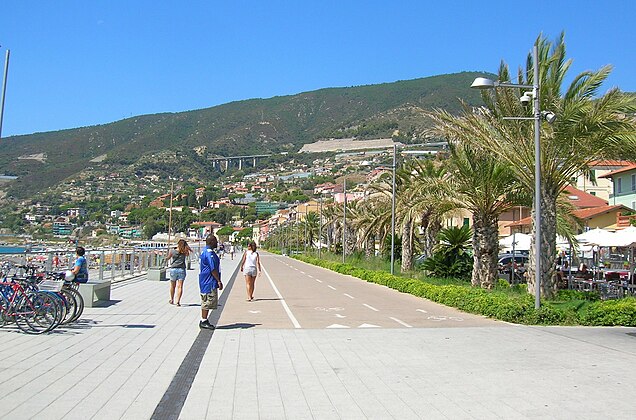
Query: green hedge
<point>494,303</point>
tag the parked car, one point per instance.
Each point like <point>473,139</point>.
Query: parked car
<point>505,262</point>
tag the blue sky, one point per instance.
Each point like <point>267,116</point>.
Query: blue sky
<point>87,62</point>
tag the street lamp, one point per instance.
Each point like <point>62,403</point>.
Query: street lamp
<point>393,212</point>
<point>344,219</point>
<point>484,83</point>
<point>4,88</point>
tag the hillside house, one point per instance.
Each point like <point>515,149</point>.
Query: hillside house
<point>594,182</point>
<point>624,186</point>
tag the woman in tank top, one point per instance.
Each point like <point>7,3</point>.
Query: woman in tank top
<point>251,267</point>
<point>177,258</point>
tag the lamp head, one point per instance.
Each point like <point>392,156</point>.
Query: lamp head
<point>549,116</point>
<point>483,83</point>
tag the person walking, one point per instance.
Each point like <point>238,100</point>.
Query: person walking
<point>251,267</point>
<point>177,257</point>
<point>209,281</point>
<point>56,261</point>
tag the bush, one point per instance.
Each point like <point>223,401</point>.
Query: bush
<point>611,312</point>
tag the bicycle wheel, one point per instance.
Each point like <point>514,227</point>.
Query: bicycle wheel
<point>79,310</point>
<point>46,312</point>
<point>5,318</point>
<point>71,305</point>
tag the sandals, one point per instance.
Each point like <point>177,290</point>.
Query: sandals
<point>170,302</point>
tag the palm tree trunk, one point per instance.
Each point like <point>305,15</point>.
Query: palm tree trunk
<point>407,246</point>
<point>486,250</point>
<point>431,230</point>
<point>549,279</point>
<point>369,246</point>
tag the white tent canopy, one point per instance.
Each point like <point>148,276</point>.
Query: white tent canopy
<point>521,242</point>
<point>624,238</point>
<point>596,237</point>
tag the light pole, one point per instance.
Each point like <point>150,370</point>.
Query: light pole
<point>4,88</point>
<point>484,83</point>
<point>320,230</point>
<point>393,212</point>
<point>344,220</point>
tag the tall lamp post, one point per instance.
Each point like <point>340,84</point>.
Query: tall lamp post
<point>393,212</point>
<point>484,83</point>
<point>344,220</point>
<point>4,88</point>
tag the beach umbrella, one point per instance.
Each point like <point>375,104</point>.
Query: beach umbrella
<point>521,242</point>
<point>596,236</point>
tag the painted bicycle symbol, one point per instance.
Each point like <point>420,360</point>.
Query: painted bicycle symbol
<point>335,309</point>
<point>445,318</point>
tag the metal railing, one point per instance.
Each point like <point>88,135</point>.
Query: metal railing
<point>103,263</point>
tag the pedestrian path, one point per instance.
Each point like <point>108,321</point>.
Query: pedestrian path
<point>115,363</point>
<point>121,360</point>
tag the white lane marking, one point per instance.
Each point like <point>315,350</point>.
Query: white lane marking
<point>348,295</point>
<point>337,326</point>
<point>310,276</point>
<point>282,301</point>
<point>301,272</point>
<point>254,312</point>
<point>401,322</point>
<point>422,311</point>
<point>368,326</point>
<point>331,287</point>
<point>371,307</point>
<point>340,316</point>
<point>319,281</point>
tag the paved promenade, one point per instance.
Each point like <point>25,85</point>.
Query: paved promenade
<point>140,358</point>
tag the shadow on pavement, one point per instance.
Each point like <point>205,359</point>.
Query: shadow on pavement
<point>257,299</point>
<point>238,325</point>
<point>105,303</point>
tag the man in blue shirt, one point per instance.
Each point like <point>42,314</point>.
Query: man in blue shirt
<point>209,280</point>
<point>80,268</point>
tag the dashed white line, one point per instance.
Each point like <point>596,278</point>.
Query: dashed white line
<point>331,287</point>
<point>371,307</point>
<point>310,276</point>
<point>401,322</point>
<point>348,295</point>
<point>282,301</point>
<point>319,281</point>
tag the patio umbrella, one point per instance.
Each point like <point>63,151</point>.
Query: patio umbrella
<point>521,242</point>
<point>596,236</point>
<point>625,237</point>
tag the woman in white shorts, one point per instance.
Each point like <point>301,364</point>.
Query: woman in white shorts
<point>251,267</point>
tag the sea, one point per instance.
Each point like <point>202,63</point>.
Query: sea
<point>12,250</point>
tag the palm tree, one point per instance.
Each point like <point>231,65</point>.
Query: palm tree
<point>588,127</point>
<point>311,227</point>
<point>486,187</point>
<point>418,203</point>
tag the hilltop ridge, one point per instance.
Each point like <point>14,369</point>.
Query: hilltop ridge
<point>254,126</point>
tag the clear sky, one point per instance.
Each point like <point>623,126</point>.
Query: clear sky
<point>87,62</point>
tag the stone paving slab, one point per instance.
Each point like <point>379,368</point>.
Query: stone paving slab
<point>115,363</point>
<point>517,372</point>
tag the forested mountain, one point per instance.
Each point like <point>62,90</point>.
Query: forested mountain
<point>255,126</point>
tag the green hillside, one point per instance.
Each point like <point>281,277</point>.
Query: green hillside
<point>256,126</point>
